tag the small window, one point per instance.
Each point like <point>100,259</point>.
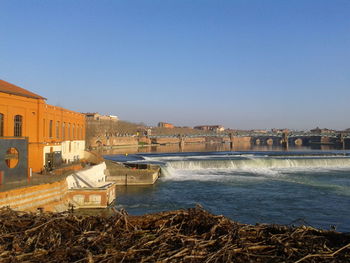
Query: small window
<point>1,124</point>
<point>95,199</point>
<point>18,126</point>
<point>79,199</point>
<point>68,131</point>
<point>73,131</point>
<point>44,128</point>
<point>57,129</point>
<point>50,128</point>
<point>63,130</point>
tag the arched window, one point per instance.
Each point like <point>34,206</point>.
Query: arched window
<point>18,126</point>
<point>1,124</point>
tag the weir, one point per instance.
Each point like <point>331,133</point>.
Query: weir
<point>247,163</point>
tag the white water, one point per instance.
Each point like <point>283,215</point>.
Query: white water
<point>251,188</point>
<point>208,169</point>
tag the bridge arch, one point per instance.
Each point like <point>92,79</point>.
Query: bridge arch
<point>269,141</point>
<point>298,142</point>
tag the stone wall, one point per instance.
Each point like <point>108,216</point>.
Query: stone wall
<point>165,140</point>
<point>30,198</point>
<point>99,141</point>
<point>195,140</point>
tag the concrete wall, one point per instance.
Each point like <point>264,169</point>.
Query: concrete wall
<point>127,176</point>
<point>19,170</point>
<point>92,175</point>
<point>135,179</point>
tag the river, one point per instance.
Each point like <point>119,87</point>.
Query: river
<point>265,185</point>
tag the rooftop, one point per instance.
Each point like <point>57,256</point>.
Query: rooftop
<point>9,88</point>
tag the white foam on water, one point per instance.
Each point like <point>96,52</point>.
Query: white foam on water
<point>258,163</point>
<point>249,168</point>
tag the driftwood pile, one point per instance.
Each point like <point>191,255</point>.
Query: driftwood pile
<point>192,235</point>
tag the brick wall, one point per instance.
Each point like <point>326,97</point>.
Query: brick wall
<point>30,198</point>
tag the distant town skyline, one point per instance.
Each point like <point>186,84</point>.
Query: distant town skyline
<point>241,64</point>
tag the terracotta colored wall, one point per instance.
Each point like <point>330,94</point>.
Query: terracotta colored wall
<point>36,116</point>
<point>29,198</point>
<point>165,140</point>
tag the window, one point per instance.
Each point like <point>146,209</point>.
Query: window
<point>68,131</point>
<point>1,124</point>
<point>44,128</point>
<point>73,131</point>
<point>63,130</point>
<point>50,128</point>
<point>79,199</point>
<point>18,126</point>
<point>95,199</point>
<point>57,129</point>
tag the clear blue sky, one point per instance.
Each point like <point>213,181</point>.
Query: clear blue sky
<point>244,64</point>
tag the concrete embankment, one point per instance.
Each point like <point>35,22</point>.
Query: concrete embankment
<point>85,188</point>
<point>133,174</point>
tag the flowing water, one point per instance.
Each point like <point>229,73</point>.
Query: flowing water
<point>310,188</point>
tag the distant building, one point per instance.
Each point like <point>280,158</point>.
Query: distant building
<point>274,130</point>
<point>260,131</point>
<point>215,128</point>
<point>96,116</point>
<point>165,125</point>
<point>319,131</point>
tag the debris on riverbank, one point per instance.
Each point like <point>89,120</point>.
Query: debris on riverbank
<point>192,235</point>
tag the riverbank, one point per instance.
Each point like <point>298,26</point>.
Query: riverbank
<point>191,235</point>
<point>81,185</point>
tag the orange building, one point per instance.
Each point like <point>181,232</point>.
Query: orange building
<point>165,125</point>
<point>54,135</point>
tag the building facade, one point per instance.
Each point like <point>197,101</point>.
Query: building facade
<point>215,128</point>
<point>97,117</point>
<point>55,135</point>
<point>165,125</point>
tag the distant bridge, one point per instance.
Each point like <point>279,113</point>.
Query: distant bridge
<point>269,138</point>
